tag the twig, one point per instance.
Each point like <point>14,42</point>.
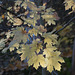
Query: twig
<point>10,17</point>
<point>65,25</point>
<point>20,15</point>
<point>21,3</point>
<point>12,13</point>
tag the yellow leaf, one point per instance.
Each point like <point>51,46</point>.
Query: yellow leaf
<point>30,21</point>
<point>16,45</point>
<point>33,31</point>
<point>50,16</point>
<point>53,60</point>
<point>50,39</point>
<point>36,61</point>
<point>26,52</point>
<point>17,22</point>
<point>20,34</point>
<point>36,45</point>
<point>69,4</point>
<point>44,4</point>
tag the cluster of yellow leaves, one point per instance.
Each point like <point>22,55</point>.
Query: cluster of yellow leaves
<point>33,14</point>
<point>49,14</point>
<point>21,35</point>
<point>29,50</point>
<point>34,52</point>
<point>69,4</point>
<point>52,57</point>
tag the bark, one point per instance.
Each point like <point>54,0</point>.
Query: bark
<point>73,59</point>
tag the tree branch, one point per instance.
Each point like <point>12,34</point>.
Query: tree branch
<point>65,25</point>
<point>12,13</point>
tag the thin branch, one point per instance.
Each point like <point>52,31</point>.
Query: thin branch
<point>12,13</point>
<point>10,17</point>
<point>21,3</point>
<point>65,25</point>
<point>20,15</point>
